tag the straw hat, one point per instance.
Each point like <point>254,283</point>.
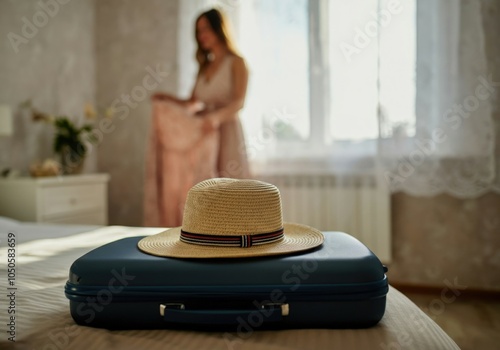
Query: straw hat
<point>228,218</point>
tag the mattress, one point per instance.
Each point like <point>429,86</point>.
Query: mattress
<point>42,318</point>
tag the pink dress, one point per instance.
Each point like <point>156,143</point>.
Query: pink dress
<point>180,155</point>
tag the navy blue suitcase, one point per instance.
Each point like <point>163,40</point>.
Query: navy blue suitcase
<point>340,284</point>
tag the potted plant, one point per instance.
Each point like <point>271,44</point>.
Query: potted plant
<point>70,139</point>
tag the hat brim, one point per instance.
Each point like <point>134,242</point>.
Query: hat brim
<point>297,238</point>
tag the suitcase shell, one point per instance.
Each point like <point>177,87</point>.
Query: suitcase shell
<point>340,284</point>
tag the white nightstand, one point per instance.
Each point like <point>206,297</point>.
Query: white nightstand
<point>75,199</point>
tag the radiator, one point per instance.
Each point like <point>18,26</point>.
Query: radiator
<point>353,204</point>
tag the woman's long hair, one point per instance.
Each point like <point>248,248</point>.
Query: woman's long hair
<point>219,24</point>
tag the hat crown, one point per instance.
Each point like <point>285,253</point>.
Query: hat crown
<point>232,207</point>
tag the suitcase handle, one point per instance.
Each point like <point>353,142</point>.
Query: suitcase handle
<point>178,314</point>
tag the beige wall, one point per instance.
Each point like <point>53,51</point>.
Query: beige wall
<point>54,67</point>
<point>133,37</point>
<point>443,238</point>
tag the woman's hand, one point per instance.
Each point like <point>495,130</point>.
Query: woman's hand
<point>210,123</point>
<point>195,107</point>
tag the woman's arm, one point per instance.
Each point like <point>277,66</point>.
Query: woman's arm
<point>240,82</point>
<point>161,96</point>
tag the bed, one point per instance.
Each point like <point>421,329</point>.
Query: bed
<point>42,319</point>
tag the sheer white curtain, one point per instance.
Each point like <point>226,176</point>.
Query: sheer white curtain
<point>394,88</point>
<point>453,148</point>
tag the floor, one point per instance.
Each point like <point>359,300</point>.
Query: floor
<point>473,322</point>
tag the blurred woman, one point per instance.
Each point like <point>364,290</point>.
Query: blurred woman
<point>200,137</point>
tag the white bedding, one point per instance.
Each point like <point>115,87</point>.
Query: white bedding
<point>43,320</point>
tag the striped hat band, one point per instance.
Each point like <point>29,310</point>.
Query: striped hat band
<point>242,241</point>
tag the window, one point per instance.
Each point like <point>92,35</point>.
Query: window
<point>273,36</point>
<point>326,73</point>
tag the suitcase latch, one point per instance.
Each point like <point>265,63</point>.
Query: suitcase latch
<point>285,309</point>
<point>175,306</point>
